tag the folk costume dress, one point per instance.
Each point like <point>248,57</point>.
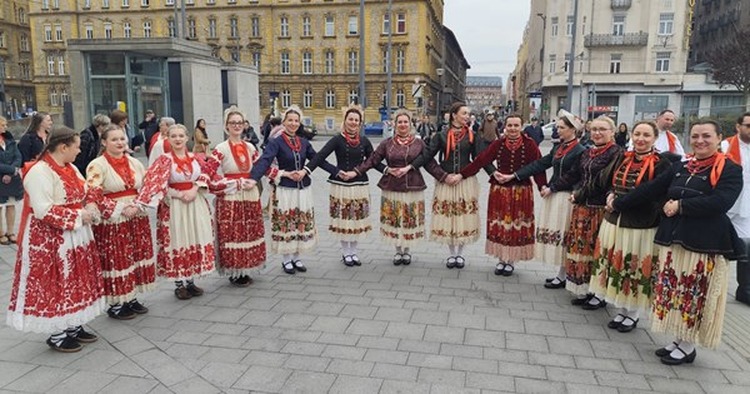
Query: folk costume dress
<point>587,213</point>
<point>349,201</point>
<point>184,231</point>
<point>402,203</point>
<point>125,244</point>
<point>693,246</point>
<point>455,208</point>
<point>239,219</point>
<point>510,206</point>
<point>57,281</point>
<point>293,218</point>
<point>554,219</point>
<point>624,256</point>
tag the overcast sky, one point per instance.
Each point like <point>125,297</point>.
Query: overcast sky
<point>489,32</point>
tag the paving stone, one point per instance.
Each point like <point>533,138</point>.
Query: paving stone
<point>484,338</point>
<point>129,385</point>
<point>701,375</point>
<point>359,312</point>
<point>222,374</point>
<point>461,350</point>
<point>195,385</point>
<point>394,314</point>
<point>392,371</point>
<point>650,369</point>
<point>367,327</point>
<point>536,343</point>
<point>405,330</point>
<point>673,385</point>
<point>524,385</point>
<point>517,356</point>
<point>260,378</point>
<point>577,388</point>
<point>474,365</point>
<point>224,355</point>
<point>344,352</point>
<point>444,334</point>
<point>621,380</point>
<point>378,342</point>
<point>553,360</point>
<point>430,361</point>
<point>350,367</point>
<point>489,381</point>
<point>308,382</point>
<point>571,375</point>
<point>441,376</point>
<point>41,379</point>
<point>571,346</point>
<point>97,360</point>
<point>599,364</point>
<point>419,346</point>
<point>12,371</point>
<point>544,327</point>
<point>162,367</point>
<point>307,363</point>
<point>127,367</point>
<point>403,387</point>
<point>466,320</point>
<point>346,384</point>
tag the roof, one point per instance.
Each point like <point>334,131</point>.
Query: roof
<point>484,81</point>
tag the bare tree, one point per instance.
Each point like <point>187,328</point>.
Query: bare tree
<point>731,64</point>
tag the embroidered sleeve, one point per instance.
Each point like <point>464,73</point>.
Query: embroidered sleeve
<point>94,180</point>
<point>484,159</point>
<point>39,186</point>
<point>210,177</point>
<point>156,182</point>
<point>540,178</point>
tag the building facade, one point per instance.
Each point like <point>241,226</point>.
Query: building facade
<point>306,52</point>
<point>16,60</point>
<point>714,21</point>
<point>484,93</point>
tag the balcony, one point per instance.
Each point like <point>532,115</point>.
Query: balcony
<point>611,40</point>
<point>620,4</point>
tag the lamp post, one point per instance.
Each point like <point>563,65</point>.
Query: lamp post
<point>572,65</point>
<point>362,95</point>
<point>389,80</point>
<point>541,58</point>
<point>439,72</point>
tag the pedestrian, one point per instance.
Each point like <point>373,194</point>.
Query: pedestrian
<point>176,185</point>
<point>510,204</point>
<point>11,190</point>
<point>32,141</point>
<point>349,201</point>
<point>737,149</point>
<point>668,141</point>
<point>588,199</point>
<point>455,206</point>
<point>621,137</point>
<point>160,141</point>
<point>123,236</point>
<point>552,223</point>
<point>150,126</point>
<point>135,139</point>
<point>534,131</point>
<point>425,128</point>
<point>625,255</point>
<point>239,221</point>
<point>695,240</point>
<point>488,130</point>
<point>265,129</point>
<point>249,135</point>
<point>91,142</point>
<point>293,228</point>
<point>402,210</point>
<point>57,281</point>
<point>201,142</point>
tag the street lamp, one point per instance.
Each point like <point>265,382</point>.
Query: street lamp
<point>541,56</point>
<point>440,73</point>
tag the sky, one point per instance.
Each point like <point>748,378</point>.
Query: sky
<point>489,32</point>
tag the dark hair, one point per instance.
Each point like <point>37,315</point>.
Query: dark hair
<point>275,121</point>
<point>567,122</point>
<point>454,110</point>
<point>624,124</point>
<point>60,135</point>
<point>36,121</point>
<point>118,116</point>
<point>742,117</point>
<point>701,122</point>
<point>664,111</point>
<point>649,123</point>
<point>198,123</point>
<point>519,116</point>
<point>353,110</point>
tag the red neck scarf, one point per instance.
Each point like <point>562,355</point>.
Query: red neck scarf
<point>513,143</point>
<point>455,136</point>
<point>408,139</point>
<point>599,150</point>
<point>184,165</point>
<point>647,164</point>
<point>565,148</point>
<point>292,141</point>
<point>66,172</point>
<point>351,139</point>
<point>122,168</point>
<point>672,141</point>
<point>715,163</point>
<point>241,155</point>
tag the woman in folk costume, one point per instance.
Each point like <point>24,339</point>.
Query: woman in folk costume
<point>349,197</point>
<point>624,255</point>
<point>455,207</point>
<point>123,238</point>
<point>57,282</point>
<point>694,241</point>
<point>176,183</point>
<point>588,199</point>
<point>402,204</point>
<point>553,222</point>
<point>293,219</point>
<point>510,206</point>
<point>239,220</point>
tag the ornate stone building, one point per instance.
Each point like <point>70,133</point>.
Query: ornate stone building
<point>16,61</point>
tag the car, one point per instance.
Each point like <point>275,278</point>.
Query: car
<point>548,129</point>
<point>307,132</point>
<point>374,128</point>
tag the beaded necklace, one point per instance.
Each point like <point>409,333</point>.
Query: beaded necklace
<point>294,144</point>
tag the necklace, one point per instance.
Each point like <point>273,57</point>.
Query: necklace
<point>696,166</point>
<point>293,142</point>
<point>404,140</point>
<point>565,148</point>
<point>351,139</point>
<point>599,150</point>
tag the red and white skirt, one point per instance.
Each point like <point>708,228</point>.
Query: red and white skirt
<point>581,242</point>
<point>455,213</point>
<point>510,222</point>
<point>293,221</point>
<point>349,208</point>
<point>402,218</point>
<point>239,233</point>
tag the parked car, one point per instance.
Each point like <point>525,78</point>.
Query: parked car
<point>374,128</point>
<point>548,130</point>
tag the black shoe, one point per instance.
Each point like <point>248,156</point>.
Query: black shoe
<point>82,336</point>
<point>552,285</point>
<point>549,280</point>
<point>592,307</point>
<point>664,351</point>
<point>288,267</point>
<point>406,259</point>
<point>450,262</point>
<point>241,281</point>
<point>508,272</point>
<point>356,261</point>
<point>66,345</point>
<point>689,358</point>
<point>460,262</point>
<point>499,268</point>
<point>137,307</point>
<point>121,312</point>
<point>581,301</point>
<point>299,266</point>
<point>182,293</point>
<point>398,259</point>
<point>613,324</point>
<point>348,261</point>
<point>194,290</point>
<point>628,327</point>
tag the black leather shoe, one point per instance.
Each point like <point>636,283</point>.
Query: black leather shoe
<point>664,351</point>
<point>592,307</point>
<point>508,272</point>
<point>406,259</point>
<point>299,266</point>
<point>613,324</point>
<point>355,260</point>
<point>460,262</point>
<point>137,307</point>
<point>398,259</point>
<point>552,285</point>
<point>450,262</point>
<point>625,327</point>
<point>348,261</point>
<point>499,268</point>
<point>581,301</point>
<point>288,267</point>
<point>689,358</point>
<point>549,280</point>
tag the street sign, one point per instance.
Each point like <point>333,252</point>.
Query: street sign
<point>416,90</point>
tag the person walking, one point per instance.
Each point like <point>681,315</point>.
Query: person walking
<point>488,129</point>
<point>11,188</point>
<point>91,142</point>
<point>534,131</point>
<point>32,141</point>
<point>201,142</point>
<point>150,126</point>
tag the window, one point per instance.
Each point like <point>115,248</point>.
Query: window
<point>147,29</point>
<point>306,26</point>
<point>401,23</point>
<point>285,64</point>
<point>284,27</point>
<point>191,28</point>
<point>108,30</point>
<point>53,98</point>
<point>353,97</point>
<point>569,26</point>
<point>307,67</point>
<point>89,31</point>
<point>61,65</point>
<point>25,71</point>
<point>552,64</point>
<point>210,2</point>
<point>330,62</point>
<point>23,43</point>
<point>286,98</point>
<point>566,64</point>
<point>385,60</point>
<point>553,27</point>
<point>2,39</point>
<point>231,1</point>
<point>45,4</point>
<point>47,33</point>
<point>330,26</point>
<point>50,65</point>
<point>64,97</point>
<point>211,28</point>
<point>126,31</point>
<point>666,24</point>
<point>353,25</point>
<point>307,98</point>
<point>21,16</point>
<point>189,2</point>
<point>330,99</point>
<point>171,27</point>
<point>86,3</point>
<point>662,61</point>
<point>233,30</point>
<point>400,98</point>
<point>56,4</point>
<point>144,3</point>
<point>125,3</point>
<point>614,63</point>
<point>58,33</point>
<point>256,60</point>
<point>353,62</point>
<point>169,2</point>
<point>618,25</point>
<point>255,26</point>
<point>105,3</point>
<point>727,104</point>
<point>386,23</point>
<point>400,60</point>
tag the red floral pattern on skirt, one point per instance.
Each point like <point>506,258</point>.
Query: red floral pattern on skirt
<point>581,243</point>
<point>240,222</point>
<point>510,215</point>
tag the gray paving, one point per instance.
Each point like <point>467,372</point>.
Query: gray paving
<point>377,328</point>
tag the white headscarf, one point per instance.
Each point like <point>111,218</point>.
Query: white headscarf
<point>572,118</point>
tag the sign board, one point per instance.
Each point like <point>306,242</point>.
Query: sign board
<point>416,90</point>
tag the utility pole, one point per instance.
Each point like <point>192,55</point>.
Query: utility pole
<point>572,63</point>
<point>389,83</point>
<point>362,96</point>
<point>184,21</point>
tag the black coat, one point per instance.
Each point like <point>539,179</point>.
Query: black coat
<point>559,166</point>
<point>30,146</point>
<point>10,161</point>
<point>347,158</point>
<point>90,147</point>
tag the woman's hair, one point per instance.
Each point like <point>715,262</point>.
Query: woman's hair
<point>198,123</point>
<point>275,121</point>
<point>517,116</point>
<point>233,110</point>
<point>118,116</point>
<point>607,120</point>
<point>36,121</point>
<point>293,109</point>
<point>701,122</point>
<point>454,110</point>
<point>649,123</point>
<point>403,112</point>
<point>623,124</point>
<point>105,134</point>
<point>177,126</point>
<point>60,135</point>
<point>101,120</point>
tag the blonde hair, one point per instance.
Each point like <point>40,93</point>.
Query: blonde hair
<point>606,119</point>
<point>408,114</point>
<point>177,126</point>
<point>233,110</point>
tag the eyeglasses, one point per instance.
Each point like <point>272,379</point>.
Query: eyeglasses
<point>235,123</point>
<point>598,130</point>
